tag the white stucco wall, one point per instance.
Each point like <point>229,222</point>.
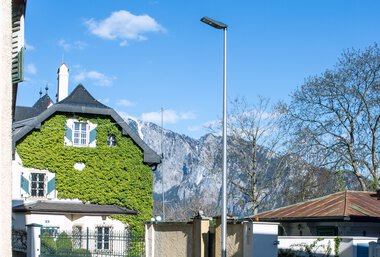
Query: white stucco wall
<point>18,195</point>
<point>297,242</point>
<point>263,239</point>
<point>347,247</point>
<point>65,222</point>
<point>5,127</point>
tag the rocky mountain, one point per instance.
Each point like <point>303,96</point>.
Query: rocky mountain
<point>189,178</point>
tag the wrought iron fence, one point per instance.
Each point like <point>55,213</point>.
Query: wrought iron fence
<point>19,239</point>
<point>103,242</point>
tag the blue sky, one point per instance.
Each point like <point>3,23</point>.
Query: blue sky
<point>140,56</point>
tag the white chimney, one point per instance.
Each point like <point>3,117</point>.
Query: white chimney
<point>63,82</point>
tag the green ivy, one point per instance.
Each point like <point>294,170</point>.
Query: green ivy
<point>112,175</point>
<point>337,241</point>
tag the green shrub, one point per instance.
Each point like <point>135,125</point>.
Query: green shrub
<point>64,244</point>
<point>286,253</point>
<point>48,244</point>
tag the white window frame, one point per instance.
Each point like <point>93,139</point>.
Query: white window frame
<point>81,134</point>
<point>102,239</point>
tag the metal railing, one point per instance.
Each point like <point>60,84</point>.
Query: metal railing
<point>104,242</point>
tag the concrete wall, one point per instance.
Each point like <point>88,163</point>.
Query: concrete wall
<point>192,239</point>
<point>234,242</point>
<point>5,127</point>
<point>173,239</point>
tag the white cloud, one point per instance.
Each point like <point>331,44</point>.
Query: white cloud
<point>76,45</point>
<point>31,69</point>
<point>29,47</point>
<point>96,77</point>
<point>124,43</point>
<point>66,46</point>
<point>125,26</point>
<point>124,102</point>
<point>187,115</point>
<point>170,116</point>
<point>80,45</point>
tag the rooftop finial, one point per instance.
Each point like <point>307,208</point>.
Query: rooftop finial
<point>40,92</point>
<point>46,89</point>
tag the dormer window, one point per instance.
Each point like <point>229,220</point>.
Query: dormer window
<point>80,133</point>
<point>111,140</point>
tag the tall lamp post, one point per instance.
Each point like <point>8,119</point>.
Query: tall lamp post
<point>220,25</point>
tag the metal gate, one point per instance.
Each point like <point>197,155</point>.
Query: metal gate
<point>104,242</point>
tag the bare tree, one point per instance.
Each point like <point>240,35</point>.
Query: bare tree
<point>255,143</point>
<point>335,117</point>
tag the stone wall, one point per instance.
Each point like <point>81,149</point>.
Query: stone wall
<point>5,128</point>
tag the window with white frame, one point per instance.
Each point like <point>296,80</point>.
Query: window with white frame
<point>103,238</point>
<point>80,133</point>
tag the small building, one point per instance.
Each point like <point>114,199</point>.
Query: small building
<point>348,213</point>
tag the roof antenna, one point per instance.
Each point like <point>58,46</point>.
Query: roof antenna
<point>46,89</point>
<point>40,92</point>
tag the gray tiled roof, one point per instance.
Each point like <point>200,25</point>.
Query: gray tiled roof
<point>81,97</point>
<point>23,112</point>
<point>60,207</point>
<point>80,101</point>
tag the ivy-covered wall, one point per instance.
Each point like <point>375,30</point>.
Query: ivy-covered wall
<point>113,175</point>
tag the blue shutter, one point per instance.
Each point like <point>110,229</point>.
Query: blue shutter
<point>92,135</point>
<point>50,188</point>
<point>68,133</point>
<point>51,185</point>
<point>24,184</point>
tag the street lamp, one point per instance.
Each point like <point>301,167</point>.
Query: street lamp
<point>220,25</point>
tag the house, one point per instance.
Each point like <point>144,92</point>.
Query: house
<point>347,213</point>
<point>75,162</point>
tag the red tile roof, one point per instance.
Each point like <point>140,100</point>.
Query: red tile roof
<point>340,205</point>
